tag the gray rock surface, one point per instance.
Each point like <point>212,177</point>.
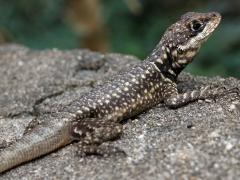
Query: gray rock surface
<point>198,141</point>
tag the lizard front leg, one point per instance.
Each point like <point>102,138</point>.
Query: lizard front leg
<point>173,99</point>
<point>92,132</point>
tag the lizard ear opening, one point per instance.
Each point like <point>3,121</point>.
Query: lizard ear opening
<point>179,50</point>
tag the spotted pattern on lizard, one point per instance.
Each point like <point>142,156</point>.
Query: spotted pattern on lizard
<point>99,113</point>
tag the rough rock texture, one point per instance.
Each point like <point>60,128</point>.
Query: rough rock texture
<point>198,141</point>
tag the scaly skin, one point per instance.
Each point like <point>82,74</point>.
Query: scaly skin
<point>127,94</point>
<point>45,139</point>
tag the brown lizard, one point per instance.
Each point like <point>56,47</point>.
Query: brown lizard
<point>98,113</point>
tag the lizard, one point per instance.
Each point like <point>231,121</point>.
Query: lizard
<point>98,114</point>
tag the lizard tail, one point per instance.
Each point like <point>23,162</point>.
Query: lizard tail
<point>43,140</point>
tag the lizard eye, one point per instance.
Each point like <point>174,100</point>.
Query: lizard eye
<point>196,26</point>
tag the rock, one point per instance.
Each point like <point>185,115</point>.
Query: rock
<point>198,141</point>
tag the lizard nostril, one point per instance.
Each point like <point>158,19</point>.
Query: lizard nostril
<point>215,14</point>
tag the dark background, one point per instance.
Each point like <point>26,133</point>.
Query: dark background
<point>124,26</point>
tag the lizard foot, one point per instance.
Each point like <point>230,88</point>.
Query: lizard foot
<point>31,125</point>
<point>215,92</point>
<point>225,92</point>
<point>92,133</point>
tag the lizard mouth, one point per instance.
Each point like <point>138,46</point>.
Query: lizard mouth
<point>215,19</point>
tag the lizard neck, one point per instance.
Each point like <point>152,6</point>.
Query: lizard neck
<point>168,60</point>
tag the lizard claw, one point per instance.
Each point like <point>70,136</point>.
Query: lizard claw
<point>234,90</point>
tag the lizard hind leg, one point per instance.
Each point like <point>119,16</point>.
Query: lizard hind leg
<point>92,132</point>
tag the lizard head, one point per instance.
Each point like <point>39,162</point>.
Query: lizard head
<point>183,39</point>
